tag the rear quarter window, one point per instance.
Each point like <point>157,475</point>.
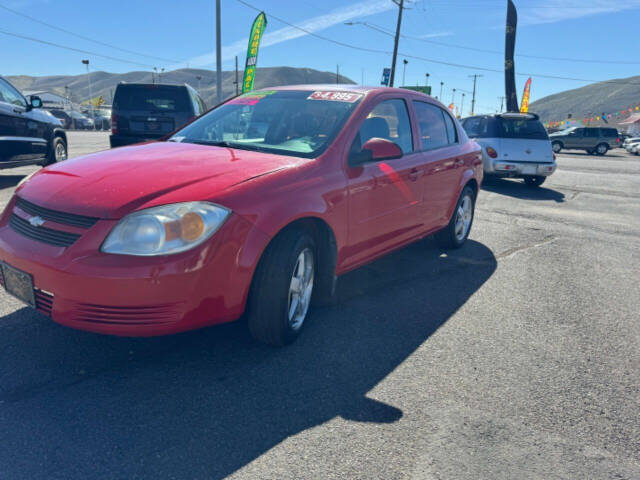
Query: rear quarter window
<point>151,98</point>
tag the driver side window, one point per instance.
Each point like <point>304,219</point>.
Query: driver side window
<point>11,95</point>
<point>389,120</point>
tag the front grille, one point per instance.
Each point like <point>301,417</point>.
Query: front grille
<point>148,315</point>
<point>44,302</point>
<point>55,216</point>
<point>42,234</point>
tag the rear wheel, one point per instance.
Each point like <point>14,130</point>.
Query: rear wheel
<point>282,287</point>
<point>602,149</point>
<point>457,231</point>
<point>556,146</point>
<point>534,180</point>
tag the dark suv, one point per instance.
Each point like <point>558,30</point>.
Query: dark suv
<point>143,112</point>
<point>592,139</point>
<point>28,134</point>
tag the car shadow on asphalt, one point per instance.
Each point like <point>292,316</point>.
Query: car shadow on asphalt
<point>7,181</point>
<point>204,404</point>
<point>516,188</point>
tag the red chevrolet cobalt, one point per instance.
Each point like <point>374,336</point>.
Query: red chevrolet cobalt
<point>255,207</point>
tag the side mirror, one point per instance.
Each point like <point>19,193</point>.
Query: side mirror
<point>376,149</point>
<point>35,102</point>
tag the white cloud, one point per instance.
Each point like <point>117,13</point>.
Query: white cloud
<point>435,35</point>
<point>315,24</point>
<point>552,11</point>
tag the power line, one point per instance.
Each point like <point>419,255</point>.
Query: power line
<point>385,31</point>
<point>55,27</point>
<point>415,57</point>
<point>73,49</point>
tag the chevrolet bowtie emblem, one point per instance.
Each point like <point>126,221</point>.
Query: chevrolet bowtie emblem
<point>36,221</point>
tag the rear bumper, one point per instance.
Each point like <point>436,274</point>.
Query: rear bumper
<point>520,169</point>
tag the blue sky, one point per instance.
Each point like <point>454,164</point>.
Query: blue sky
<point>182,34</point>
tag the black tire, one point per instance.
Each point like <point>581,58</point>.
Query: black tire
<point>268,306</point>
<point>602,149</point>
<point>534,180</point>
<point>447,238</point>
<point>57,144</point>
<point>556,146</point>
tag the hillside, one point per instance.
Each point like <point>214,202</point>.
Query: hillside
<point>103,83</point>
<point>593,99</point>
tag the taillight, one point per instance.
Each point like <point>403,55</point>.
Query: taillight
<point>491,152</point>
<point>114,124</point>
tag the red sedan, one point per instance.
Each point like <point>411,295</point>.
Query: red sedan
<point>255,207</point>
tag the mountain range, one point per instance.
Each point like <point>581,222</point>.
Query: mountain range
<point>591,100</point>
<point>104,83</point>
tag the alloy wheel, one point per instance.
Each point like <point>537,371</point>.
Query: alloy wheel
<point>300,289</point>
<point>464,215</point>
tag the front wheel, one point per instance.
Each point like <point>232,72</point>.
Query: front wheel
<point>282,287</point>
<point>457,231</point>
<point>534,180</point>
<point>556,147</point>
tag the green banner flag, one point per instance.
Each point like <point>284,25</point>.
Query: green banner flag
<point>259,24</point>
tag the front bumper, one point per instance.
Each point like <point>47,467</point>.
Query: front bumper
<point>86,289</point>
<point>521,169</point>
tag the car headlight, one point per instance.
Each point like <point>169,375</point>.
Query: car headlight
<point>165,230</point>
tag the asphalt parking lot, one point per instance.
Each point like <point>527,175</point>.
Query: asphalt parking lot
<point>517,356</point>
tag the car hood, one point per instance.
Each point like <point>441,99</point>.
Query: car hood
<point>113,183</point>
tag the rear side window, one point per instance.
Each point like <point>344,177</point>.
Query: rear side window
<point>525,128</point>
<point>431,123</point>
<point>609,132</point>
<point>591,132</point>
<point>480,127</point>
<point>151,98</point>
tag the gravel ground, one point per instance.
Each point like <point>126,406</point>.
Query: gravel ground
<point>517,356</point>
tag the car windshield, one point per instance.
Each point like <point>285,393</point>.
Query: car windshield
<point>297,123</point>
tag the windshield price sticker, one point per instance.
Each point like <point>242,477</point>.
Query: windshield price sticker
<point>348,97</point>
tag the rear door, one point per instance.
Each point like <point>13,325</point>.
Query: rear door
<point>151,111</point>
<point>439,149</point>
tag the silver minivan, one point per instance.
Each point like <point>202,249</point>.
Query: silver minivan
<point>513,145</point>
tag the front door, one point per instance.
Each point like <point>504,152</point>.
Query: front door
<point>575,139</point>
<point>15,144</point>
<point>385,197</point>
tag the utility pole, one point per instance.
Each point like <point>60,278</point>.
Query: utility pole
<point>218,54</point>
<point>441,87</point>
<point>86,62</point>
<point>501,102</point>
<point>400,4</point>
<point>473,99</point>
<point>462,106</point>
<point>404,71</point>
<point>236,82</point>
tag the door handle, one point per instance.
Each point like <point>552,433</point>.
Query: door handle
<point>17,110</point>
<point>459,162</point>
<point>414,174</point>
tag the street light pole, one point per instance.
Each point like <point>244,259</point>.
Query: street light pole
<point>199,77</point>
<point>453,97</point>
<point>218,54</point>
<point>441,87</point>
<point>400,4</point>
<point>86,62</point>
<point>462,106</point>
<point>404,71</point>
<point>427,81</point>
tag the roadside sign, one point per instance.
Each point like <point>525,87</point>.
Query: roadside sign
<point>419,88</point>
<point>386,73</point>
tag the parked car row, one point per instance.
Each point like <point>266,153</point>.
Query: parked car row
<point>73,119</point>
<point>632,145</point>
